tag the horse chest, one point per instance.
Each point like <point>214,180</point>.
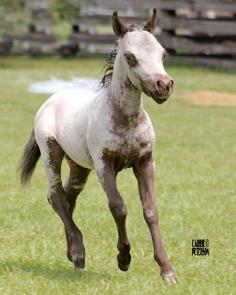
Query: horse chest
<point>125,157</point>
<point>125,149</point>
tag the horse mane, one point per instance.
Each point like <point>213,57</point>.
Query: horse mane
<point>109,66</point>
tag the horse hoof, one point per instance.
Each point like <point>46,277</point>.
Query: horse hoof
<point>169,278</point>
<point>123,261</point>
<point>79,262</point>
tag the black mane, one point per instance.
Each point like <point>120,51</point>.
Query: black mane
<point>108,68</point>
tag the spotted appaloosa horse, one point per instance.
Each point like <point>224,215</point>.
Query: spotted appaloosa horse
<point>106,130</point>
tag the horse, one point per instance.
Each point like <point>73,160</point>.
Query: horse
<point>106,130</point>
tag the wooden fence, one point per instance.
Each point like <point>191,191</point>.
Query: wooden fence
<point>93,40</point>
<point>201,31</point>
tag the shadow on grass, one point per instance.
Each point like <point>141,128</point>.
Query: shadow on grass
<point>53,271</point>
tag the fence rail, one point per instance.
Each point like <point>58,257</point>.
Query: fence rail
<point>199,5</point>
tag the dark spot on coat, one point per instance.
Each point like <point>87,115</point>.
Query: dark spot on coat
<point>124,158</point>
<point>56,155</point>
<point>119,118</point>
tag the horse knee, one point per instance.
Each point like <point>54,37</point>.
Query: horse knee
<point>78,187</point>
<point>150,216</point>
<point>118,209</point>
<point>74,188</point>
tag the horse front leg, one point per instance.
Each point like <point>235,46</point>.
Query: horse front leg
<point>144,172</point>
<point>107,177</point>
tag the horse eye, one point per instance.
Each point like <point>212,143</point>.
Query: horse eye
<point>131,59</point>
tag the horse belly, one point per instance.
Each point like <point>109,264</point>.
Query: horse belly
<point>75,148</point>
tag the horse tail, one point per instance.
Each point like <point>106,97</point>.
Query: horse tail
<point>29,159</point>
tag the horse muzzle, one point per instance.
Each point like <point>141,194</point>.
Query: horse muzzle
<point>161,90</point>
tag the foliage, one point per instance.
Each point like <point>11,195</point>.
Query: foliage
<point>195,184</point>
<point>65,10</point>
<point>12,14</point>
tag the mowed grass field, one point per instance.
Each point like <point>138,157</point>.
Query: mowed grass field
<point>195,188</point>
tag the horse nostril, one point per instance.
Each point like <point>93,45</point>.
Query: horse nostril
<point>159,85</point>
<point>162,86</point>
<point>170,84</point>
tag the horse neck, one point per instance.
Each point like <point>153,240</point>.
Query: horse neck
<point>124,97</point>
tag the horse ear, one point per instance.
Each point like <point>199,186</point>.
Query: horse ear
<point>118,27</point>
<point>152,22</point>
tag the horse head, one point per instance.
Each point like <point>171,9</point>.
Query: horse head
<point>143,57</point>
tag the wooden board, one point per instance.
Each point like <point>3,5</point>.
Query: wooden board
<point>106,19</point>
<point>199,27</point>
<point>124,4</point>
<point>196,47</point>
<point>96,39</point>
<point>171,5</point>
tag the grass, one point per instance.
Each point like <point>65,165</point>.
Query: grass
<point>195,185</point>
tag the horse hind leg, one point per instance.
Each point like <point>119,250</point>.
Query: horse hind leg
<point>74,185</point>
<point>52,155</point>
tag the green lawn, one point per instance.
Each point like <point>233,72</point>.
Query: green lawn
<point>195,185</point>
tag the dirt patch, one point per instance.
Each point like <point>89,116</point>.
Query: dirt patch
<point>211,98</point>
